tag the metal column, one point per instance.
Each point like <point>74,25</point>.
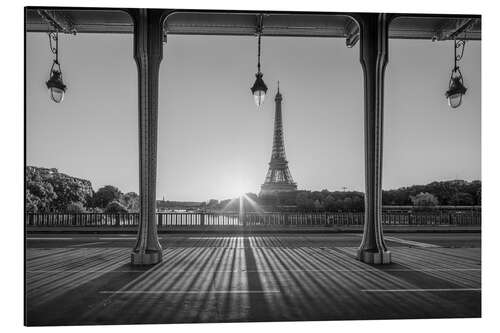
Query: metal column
<point>148,53</point>
<point>373,57</point>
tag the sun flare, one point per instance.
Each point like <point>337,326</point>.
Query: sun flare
<point>238,187</point>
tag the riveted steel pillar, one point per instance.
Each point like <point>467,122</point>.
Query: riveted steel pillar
<point>373,56</point>
<point>148,53</point>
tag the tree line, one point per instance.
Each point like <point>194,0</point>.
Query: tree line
<point>50,191</point>
<point>442,193</point>
<point>47,190</point>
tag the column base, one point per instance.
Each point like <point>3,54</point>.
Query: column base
<point>145,258</point>
<point>374,258</point>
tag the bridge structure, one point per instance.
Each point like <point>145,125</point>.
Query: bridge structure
<point>151,27</point>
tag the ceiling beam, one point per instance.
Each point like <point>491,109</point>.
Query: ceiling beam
<point>460,27</point>
<point>58,21</point>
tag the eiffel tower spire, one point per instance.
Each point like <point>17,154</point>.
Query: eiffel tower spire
<point>278,176</point>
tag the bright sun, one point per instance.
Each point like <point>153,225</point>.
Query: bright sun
<point>237,187</point>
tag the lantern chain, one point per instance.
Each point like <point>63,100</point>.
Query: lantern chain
<point>260,19</point>
<point>54,44</point>
<point>54,40</point>
<point>459,48</point>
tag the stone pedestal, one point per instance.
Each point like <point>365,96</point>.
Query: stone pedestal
<point>375,258</point>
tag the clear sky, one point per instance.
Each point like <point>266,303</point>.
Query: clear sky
<point>214,143</point>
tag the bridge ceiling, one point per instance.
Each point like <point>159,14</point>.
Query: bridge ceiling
<point>421,26</point>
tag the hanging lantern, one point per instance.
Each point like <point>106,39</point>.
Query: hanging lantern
<point>55,84</point>
<point>456,88</point>
<point>259,88</point>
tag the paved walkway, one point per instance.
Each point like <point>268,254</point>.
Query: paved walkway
<point>207,278</point>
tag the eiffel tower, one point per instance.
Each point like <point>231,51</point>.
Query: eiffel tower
<point>278,178</point>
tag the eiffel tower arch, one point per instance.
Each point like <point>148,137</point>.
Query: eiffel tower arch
<point>278,178</point>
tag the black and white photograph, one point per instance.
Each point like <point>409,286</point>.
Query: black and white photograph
<point>192,166</point>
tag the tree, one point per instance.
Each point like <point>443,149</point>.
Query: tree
<point>115,207</point>
<point>39,193</point>
<point>230,205</point>
<point>131,201</point>
<point>212,203</point>
<point>39,197</point>
<point>287,198</point>
<point>75,207</point>
<point>462,199</point>
<point>444,191</point>
<point>424,200</point>
<point>303,201</point>
<point>68,190</point>
<point>331,204</point>
<point>358,203</point>
<point>318,205</point>
<point>224,203</point>
<point>48,190</point>
<point>105,195</point>
<point>348,203</point>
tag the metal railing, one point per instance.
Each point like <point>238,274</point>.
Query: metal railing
<point>187,219</point>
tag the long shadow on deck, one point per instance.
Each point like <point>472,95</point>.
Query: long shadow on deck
<point>249,278</point>
<point>430,269</point>
<point>259,309</point>
<point>67,308</point>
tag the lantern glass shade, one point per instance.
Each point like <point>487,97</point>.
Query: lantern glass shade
<point>455,100</point>
<point>259,90</point>
<point>56,86</point>
<point>259,97</point>
<point>56,94</point>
